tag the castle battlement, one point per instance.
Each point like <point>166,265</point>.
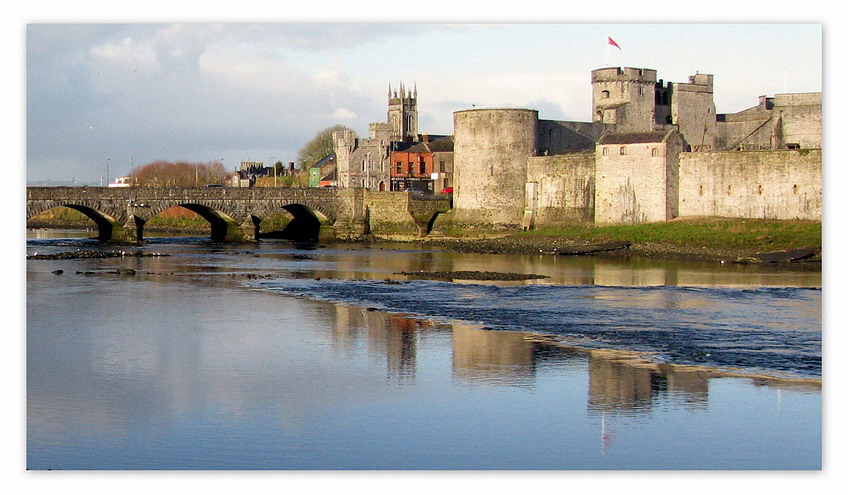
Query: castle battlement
<point>626,74</point>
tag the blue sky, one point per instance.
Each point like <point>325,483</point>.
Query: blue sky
<point>110,93</point>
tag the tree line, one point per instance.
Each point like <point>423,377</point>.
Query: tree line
<point>178,174</point>
<point>190,174</point>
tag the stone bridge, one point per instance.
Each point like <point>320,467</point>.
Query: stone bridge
<point>235,214</point>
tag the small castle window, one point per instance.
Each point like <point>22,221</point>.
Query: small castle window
<point>605,151</point>
<point>793,146</point>
<point>622,151</point>
<point>655,152</point>
<point>605,94</point>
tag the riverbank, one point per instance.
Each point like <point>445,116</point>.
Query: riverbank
<point>713,239</point>
<point>717,240</point>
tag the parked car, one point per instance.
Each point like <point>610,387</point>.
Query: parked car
<point>447,190</point>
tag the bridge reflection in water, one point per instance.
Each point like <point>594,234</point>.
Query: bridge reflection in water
<point>235,214</point>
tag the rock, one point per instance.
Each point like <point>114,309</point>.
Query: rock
<point>595,248</point>
<point>785,256</point>
<point>57,272</point>
<point>473,275</point>
<point>125,271</point>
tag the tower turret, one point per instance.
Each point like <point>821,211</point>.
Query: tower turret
<point>403,113</point>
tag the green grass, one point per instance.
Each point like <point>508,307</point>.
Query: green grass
<point>703,233</point>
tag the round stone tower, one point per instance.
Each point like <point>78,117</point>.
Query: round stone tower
<point>491,150</point>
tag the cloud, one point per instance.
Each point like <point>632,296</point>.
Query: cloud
<point>343,114</point>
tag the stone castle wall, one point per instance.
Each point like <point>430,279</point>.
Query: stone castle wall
<point>635,182</point>
<point>780,184</point>
<point>564,189</point>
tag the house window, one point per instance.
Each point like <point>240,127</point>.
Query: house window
<point>399,168</point>
<point>605,151</point>
<point>622,151</point>
<point>604,94</point>
<point>411,168</point>
<point>655,152</point>
<point>422,168</point>
<point>442,166</point>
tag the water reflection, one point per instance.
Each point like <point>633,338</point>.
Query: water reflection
<point>182,366</point>
<point>618,382</point>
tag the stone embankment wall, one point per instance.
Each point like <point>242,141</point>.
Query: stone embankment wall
<point>400,214</point>
<point>782,185</point>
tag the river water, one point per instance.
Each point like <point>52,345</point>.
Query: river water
<point>278,356</point>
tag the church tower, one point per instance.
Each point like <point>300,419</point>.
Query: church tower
<point>403,113</point>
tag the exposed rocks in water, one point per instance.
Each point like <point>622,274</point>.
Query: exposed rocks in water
<point>594,248</point>
<point>473,275</point>
<point>124,271</point>
<point>74,255</point>
<point>57,272</point>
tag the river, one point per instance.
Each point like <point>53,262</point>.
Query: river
<point>278,356</point>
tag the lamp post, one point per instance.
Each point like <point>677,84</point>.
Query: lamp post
<point>107,172</point>
<point>132,181</point>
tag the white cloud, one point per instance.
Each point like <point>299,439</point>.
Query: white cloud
<point>127,52</point>
<point>343,114</point>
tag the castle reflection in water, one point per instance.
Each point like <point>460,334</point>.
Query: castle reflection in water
<point>618,383</point>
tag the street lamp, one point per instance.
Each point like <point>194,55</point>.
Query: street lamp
<point>107,172</point>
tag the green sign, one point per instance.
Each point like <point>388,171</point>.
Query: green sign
<point>314,176</point>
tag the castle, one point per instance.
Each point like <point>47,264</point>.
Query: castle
<point>654,151</point>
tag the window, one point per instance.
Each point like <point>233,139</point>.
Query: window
<point>604,94</point>
<point>622,151</point>
<point>399,168</point>
<point>422,168</point>
<point>411,168</point>
<point>605,151</point>
<point>655,152</point>
<point>442,166</point>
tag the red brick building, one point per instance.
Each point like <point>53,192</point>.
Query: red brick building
<point>425,167</point>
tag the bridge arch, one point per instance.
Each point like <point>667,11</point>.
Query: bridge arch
<point>109,223</point>
<point>224,226</point>
<point>310,221</point>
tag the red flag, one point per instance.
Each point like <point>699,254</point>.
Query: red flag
<point>612,42</point>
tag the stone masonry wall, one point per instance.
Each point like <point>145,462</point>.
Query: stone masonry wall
<point>565,189</point>
<point>632,187</point>
<point>491,148</point>
<point>782,184</point>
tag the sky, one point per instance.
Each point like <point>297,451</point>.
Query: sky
<point>104,96</point>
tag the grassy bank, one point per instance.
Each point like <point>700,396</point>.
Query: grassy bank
<point>748,235</point>
<point>706,239</point>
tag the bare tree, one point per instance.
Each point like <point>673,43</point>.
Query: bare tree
<point>179,174</point>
